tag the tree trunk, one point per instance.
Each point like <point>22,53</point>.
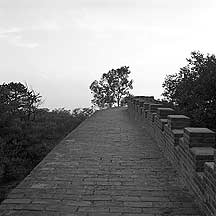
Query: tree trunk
<point>118,100</point>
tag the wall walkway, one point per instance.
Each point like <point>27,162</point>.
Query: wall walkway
<point>108,166</point>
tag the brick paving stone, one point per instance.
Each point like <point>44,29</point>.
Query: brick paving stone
<point>108,166</point>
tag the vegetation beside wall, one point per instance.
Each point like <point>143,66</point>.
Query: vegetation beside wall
<point>192,90</point>
<point>28,133</point>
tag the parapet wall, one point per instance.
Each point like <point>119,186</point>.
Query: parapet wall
<point>191,150</point>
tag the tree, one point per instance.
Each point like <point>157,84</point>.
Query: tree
<point>101,93</point>
<point>82,113</point>
<point>193,89</point>
<point>18,100</point>
<point>112,87</point>
<point>28,133</point>
<point>32,102</point>
<point>17,104</point>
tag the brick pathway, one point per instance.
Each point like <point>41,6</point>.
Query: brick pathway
<point>107,166</point>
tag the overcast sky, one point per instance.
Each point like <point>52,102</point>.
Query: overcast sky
<point>59,47</point>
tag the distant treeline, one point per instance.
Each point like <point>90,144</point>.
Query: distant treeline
<point>27,132</point>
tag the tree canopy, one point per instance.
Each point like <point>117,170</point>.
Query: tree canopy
<point>111,87</point>
<point>17,99</point>
<point>28,132</point>
<point>193,89</point>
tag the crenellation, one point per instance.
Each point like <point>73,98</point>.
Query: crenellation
<point>146,106</point>
<point>199,137</point>
<point>201,155</point>
<point>140,107</point>
<point>153,107</point>
<point>142,113</point>
<point>178,121</point>
<point>146,114</point>
<point>177,133</point>
<point>164,112</point>
<point>191,150</point>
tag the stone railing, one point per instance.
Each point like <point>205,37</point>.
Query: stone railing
<point>191,150</point>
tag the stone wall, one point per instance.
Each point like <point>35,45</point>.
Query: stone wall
<point>191,150</point>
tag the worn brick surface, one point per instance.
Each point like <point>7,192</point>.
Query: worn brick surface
<point>107,166</point>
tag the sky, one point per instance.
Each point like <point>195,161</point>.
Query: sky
<point>59,47</point>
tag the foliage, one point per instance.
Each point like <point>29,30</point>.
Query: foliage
<point>193,89</point>
<point>82,113</point>
<point>125,98</point>
<point>17,99</point>
<point>112,87</point>
<point>28,133</point>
